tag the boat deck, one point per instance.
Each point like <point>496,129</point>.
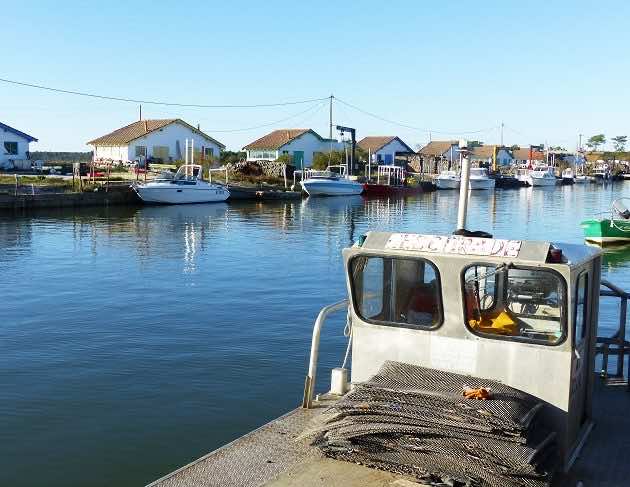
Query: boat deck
<point>273,455</point>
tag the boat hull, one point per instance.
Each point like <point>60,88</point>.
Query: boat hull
<point>542,181</point>
<point>325,187</point>
<point>446,183</point>
<point>176,195</point>
<point>606,231</point>
<point>481,183</point>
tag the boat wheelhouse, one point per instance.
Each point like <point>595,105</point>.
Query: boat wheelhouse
<point>480,178</point>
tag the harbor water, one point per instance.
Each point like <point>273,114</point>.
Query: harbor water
<point>134,340</point>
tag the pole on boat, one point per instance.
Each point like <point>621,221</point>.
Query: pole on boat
<point>463,186</point>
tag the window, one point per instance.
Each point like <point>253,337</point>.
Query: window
<point>208,152</point>
<point>519,303</point>
<point>141,151</point>
<point>581,309</point>
<point>396,291</point>
<point>263,154</point>
<point>11,148</point>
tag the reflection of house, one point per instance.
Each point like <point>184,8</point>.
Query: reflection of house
<point>14,144</point>
<point>300,144</point>
<point>528,156</point>
<point>158,139</point>
<point>485,154</point>
<point>445,150</point>
<point>383,149</point>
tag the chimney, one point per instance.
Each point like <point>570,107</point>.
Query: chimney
<point>198,127</point>
<point>146,128</point>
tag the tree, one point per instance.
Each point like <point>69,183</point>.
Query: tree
<point>595,141</point>
<point>620,142</point>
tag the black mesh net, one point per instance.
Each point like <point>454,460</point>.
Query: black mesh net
<point>414,421</point>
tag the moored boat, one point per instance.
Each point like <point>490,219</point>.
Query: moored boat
<point>615,229</point>
<point>185,187</point>
<point>329,183</point>
<point>542,176</point>
<point>447,180</point>
<point>568,176</point>
<point>480,179</point>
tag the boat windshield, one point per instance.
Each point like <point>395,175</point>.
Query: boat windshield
<point>396,291</point>
<point>516,303</point>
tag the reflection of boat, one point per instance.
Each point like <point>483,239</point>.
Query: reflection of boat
<point>542,176</point>
<point>615,229</point>
<point>329,183</point>
<point>480,179</point>
<point>447,180</point>
<point>186,186</point>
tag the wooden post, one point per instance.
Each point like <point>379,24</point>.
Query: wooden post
<point>16,184</point>
<point>284,173</point>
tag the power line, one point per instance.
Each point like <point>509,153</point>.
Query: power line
<point>420,129</point>
<point>153,102</point>
<point>268,124</point>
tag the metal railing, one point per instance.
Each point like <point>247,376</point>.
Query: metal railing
<point>309,383</point>
<point>616,344</point>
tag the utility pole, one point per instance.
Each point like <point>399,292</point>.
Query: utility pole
<point>330,118</point>
<point>140,112</point>
<point>580,143</point>
<point>502,125</point>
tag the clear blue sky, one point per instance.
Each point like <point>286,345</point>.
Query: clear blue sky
<point>549,70</point>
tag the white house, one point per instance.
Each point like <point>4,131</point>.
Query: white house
<point>164,140</point>
<point>300,144</point>
<point>13,145</point>
<point>383,148</point>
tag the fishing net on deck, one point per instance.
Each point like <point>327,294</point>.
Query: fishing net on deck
<point>415,421</point>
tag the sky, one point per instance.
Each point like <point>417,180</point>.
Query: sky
<point>548,70</point>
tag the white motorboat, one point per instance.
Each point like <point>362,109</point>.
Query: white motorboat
<point>329,183</point>
<point>568,176</point>
<point>480,179</point>
<point>447,180</point>
<point>186,186</point>
<point>522,174</point>
<point>542,176</point>
<point>581,179</point>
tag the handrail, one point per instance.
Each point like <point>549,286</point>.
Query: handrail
<point>309,383</point>
<point>618,339</point>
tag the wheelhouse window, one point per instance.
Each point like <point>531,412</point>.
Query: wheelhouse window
<point>11,148</point>
<point>397,291</point>
<point>519,303</point>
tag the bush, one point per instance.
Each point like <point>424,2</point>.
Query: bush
<point>285,159</point>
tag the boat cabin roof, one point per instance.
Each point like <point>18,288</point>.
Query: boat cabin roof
<point>525,251</point>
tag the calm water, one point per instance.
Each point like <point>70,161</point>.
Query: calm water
<point>133,341</point>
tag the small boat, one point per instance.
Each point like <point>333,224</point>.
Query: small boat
<point>615,229</point>
<point>601,172</point>
<point>186,186</point>
<point>480,179</point>
<point>330,183</point>
<point>522,174</point>
<point>581,179</point>
<point>568,176</point>
<point>447,180</point>
<point>542,176</point>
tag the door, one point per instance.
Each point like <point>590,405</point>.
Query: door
<point>580,368</point>
<point>298,158</point>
